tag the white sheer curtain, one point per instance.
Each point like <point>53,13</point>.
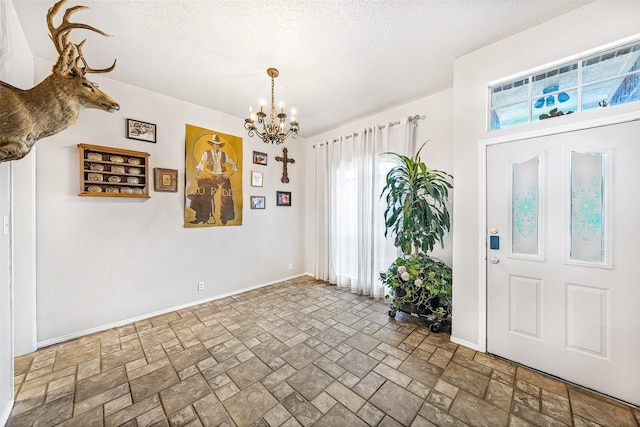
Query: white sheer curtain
<point>351,249</point>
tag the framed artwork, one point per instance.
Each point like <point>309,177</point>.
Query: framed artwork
<point>259,158</point>
<point>141,131</point>
<point>212,178</point>
<point>258,202</point>
<point>256,179</point>
<point>283,198</point>
<point>165,179</point>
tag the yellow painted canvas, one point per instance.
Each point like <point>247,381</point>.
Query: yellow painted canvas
<point>213,178</point>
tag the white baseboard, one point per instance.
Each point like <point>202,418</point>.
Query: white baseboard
<point>465,343</point>
<point>6,412</point>
<point>57,340</point>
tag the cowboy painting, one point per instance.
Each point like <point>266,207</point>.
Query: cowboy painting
<point>213,180</point>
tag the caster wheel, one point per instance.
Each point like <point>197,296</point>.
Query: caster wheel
<point>435,327</point>
<point>392,313</point>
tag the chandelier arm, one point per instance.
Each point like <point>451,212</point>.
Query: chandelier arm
<point>249,126</point>
<point>253,132</point>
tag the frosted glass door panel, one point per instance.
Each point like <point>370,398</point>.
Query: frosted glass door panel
<point>525,207</point>
<point>587,207</point>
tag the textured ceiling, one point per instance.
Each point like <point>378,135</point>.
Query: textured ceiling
<point>338,60</point>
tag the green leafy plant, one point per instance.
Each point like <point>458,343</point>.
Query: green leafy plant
<point>419,283</point>
<point>418,217</point>
<point>416,210</point>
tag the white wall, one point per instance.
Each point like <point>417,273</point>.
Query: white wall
<point>19,67</point>
<point>105,260</point>
<point>591,26</point>
<point>17,281</point>
<point>437,154</point>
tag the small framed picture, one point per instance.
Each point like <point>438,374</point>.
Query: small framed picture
<point>165,179</point>
<point>283,198</point>
<point>257,202</point>
<point>141,131</point>
<point>259,158</point>
<point>256,179</point>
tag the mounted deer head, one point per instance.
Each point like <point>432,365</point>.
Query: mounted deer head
<point>54,104</point>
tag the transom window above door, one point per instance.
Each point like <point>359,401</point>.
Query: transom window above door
<point>605,79</point>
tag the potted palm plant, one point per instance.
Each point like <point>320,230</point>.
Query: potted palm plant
<point>418,217</point>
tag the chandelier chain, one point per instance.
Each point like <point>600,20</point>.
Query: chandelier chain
<point>273,106</point>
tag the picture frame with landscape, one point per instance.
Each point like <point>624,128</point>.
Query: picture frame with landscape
<point>142,131</point>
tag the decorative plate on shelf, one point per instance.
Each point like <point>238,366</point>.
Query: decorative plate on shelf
<point>117,159</point>
<point>94,177</point>
<point>94,189</point>
<point>96,167</point>
<point>126,190</point>
<point>112,190</point>
<point>133,161</point>
<point>95,157</point>
<point>133,180</point>
<point>114,178</point>
<point>136,191</point>
<point>117,169</point>
<point>134,171</point>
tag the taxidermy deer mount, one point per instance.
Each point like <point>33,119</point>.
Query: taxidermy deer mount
<point>55,104</point>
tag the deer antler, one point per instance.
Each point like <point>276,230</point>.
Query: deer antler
<point>60,35</point>
<point>55,103</point>
<point>87,68</point>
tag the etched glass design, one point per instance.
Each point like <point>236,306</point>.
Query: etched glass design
<point>587,207</point>
<point>605,79</point>
<point>525,202</point>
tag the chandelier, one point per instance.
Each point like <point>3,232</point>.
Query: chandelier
<point>274,131</point>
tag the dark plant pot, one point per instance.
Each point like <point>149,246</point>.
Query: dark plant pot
<point>429,313</point>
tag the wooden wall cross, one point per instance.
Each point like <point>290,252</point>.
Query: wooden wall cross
<point>284,159</point>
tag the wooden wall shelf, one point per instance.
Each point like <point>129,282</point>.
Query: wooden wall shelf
<point>113,172</point>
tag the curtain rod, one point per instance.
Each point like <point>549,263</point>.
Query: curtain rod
<point>410,119</point>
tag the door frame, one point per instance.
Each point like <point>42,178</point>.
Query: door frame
<point>483,146</point>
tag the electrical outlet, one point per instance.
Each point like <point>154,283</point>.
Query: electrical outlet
<point>290,266</point>
<point>201,286</point>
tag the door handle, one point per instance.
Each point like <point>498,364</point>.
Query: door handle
<point>494,260</point>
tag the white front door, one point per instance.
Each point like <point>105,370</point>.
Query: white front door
<point>563,256</point>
